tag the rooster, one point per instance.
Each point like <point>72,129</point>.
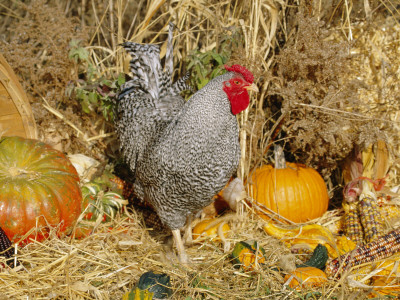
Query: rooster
<point>181,153</point>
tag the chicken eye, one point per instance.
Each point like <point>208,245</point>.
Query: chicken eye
<point>236,82</point>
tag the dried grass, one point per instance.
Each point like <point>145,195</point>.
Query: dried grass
<point>307,95</point>
<point>108,263</point>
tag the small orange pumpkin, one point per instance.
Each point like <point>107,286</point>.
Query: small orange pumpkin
<point>292,190</point>
<point>306,277</point>
<point>209,227</point>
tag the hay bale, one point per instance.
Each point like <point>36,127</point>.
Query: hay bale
<point>16,116</point>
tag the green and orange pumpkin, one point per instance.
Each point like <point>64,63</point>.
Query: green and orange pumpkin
<point>248,255</point>
<point>97,207</point>
<point>39,187</point>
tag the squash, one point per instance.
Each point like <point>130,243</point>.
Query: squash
<point>344,244</point>
<point>98,207</point>
<point>39,187</point>
<point>318,258</point>
<point>385,289</point>
<point>305,277</point>
<point>158,284</point>
<point>387,280</point>
<point>138,294</point>
<point>293,191</point>
<point>248,255</point>
<point>210,227</point>
<point>307,236</point>
<point>99,204</point>
<point>150,286</point>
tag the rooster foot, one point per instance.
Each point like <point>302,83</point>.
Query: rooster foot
<point>182,256</point>
<point>187,236</point>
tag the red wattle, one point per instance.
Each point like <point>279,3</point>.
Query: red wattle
<point>240,102</point>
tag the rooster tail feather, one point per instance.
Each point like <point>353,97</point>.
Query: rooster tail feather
<point>169,61</point>
<point>147,74</point>
<point>181,85</point>
<point>145,66</point>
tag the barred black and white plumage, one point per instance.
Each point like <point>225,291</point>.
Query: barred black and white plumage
<point>181,153</point>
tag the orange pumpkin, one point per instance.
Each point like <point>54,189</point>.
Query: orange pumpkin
<point>293,191</point>
<point>306,277</point>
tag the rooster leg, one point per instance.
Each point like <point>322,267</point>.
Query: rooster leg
<point>183,258</point>
<point>187,236</point>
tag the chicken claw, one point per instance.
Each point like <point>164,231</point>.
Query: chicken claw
<point>182,256</point>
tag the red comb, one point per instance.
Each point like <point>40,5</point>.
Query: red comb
<point>248,76</point>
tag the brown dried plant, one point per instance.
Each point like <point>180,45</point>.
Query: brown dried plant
<point>323,117</point>
<point>38,48</point>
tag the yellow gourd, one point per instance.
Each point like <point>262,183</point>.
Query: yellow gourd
<point>307,236</point>
<point>212,228</point>
<point>305,277</point>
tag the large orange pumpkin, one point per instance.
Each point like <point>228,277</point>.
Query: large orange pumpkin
<point>39,187</point>
<point>294,191</point>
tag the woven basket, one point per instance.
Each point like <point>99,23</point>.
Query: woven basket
<point>16,116</point>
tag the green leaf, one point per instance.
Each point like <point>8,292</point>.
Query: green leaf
<point>218,58</point>
<point>91,71</point>
<point>108,113</point>
<point>216,72</point>
<point>198,71</point>
<point>79,53</point>
<point>121,79</point>
<point>202,83</point>
<point>190,65</point>
<point>93,97</point>
<point>80,93</point>
<point>207,59</point>
<point>85,106</point>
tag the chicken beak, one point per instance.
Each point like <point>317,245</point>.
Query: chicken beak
<point>253,87</point>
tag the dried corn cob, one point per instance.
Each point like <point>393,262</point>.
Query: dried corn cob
<point>390,213</point>
<point>382,247</point>
<point>118,181</point>
<point>6,248</point>
<point>151,219</point>
<point>352,223</point>
<point>124,186</point>
<point>370,217</point>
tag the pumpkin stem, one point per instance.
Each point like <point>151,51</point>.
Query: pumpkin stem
<point>14,172</point>
<point>280,161</point>
<point>18,172</point>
